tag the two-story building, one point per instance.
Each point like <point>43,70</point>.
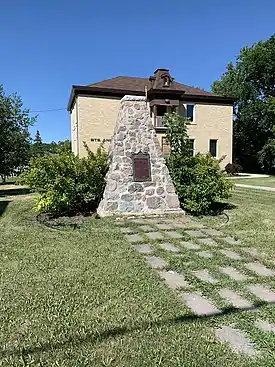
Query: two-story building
<point>94,109</point>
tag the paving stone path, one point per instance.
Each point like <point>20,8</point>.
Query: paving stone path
<point>215,260</point>
<point>144,248</point>
<point>205,276</point>
<point>208,241</point>
<point>260,269</point>
<point>168,246</point>
<point>231,254</point>
<point>233,273</point>
<point>238,341</point>
<point>205,254</point>
<point>200,305</point>
<point>265,326</point>
<point>173,279</point>
<point>234,298</point>
<point>190,245</point>
<point>156,262</point>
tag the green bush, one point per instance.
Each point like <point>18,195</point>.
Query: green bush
<point>66,183</point>
<point>233,168</point>
<point>199,180</point>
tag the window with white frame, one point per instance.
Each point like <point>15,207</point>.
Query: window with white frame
<point>213,147</point>
<point>191,147</point>
<point>161,111</point>
<point>190,112</point>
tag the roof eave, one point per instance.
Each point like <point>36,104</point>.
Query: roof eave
<point>208,98</point>
<point>183,96</point>
<point>86,90</point>
<point>99,91</point>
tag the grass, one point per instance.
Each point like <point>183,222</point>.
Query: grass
<point>264,181</point>
<point>9,180</point>
<point>251,219</point>
<point>84,297</point>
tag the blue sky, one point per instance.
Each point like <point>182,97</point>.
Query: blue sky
<point>46,46</point>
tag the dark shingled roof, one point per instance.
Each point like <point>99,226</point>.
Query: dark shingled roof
<point>135,84</point>
<point>159,85</point>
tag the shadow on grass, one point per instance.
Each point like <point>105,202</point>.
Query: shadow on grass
<point>219,208</point>
<point>8,182</point>
<point>14,192</point>
<point>123,330</point>
<point>3,206</point>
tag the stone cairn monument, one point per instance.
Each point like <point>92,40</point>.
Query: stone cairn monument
<point>138,181</point>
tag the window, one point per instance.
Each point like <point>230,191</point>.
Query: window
<point>166,81</point>
<point>165,146</point>
<point>161,111</point>
<point>191,143</point>
<point>213,143</point>
<point>190,111</point>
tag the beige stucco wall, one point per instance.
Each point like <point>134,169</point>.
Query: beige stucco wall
<point>74,131</point>
<point>96,120</point>
<point>211,122</point>
<point>97,116</point>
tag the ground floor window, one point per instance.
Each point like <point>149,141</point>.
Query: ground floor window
<point>191,147</point>
<point>165,146</point>
<point>213,147</point>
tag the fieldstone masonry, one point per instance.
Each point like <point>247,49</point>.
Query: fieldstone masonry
<point>134,133</point>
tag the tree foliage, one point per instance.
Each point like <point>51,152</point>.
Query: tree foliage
<point>267,156</point>
<point>14,133</point>
<point>66,183</point>
<point>39,148</point>
<point>250,81</point>
<point>198,180</point>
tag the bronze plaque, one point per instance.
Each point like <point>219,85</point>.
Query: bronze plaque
<point>141,167</point>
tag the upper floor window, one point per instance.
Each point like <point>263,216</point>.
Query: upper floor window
<point>190,111</point>
<point>213,147</point>
<point>161,110</point>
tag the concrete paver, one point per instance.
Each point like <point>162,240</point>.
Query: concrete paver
<point>156,262</point>
<point>199,305</point>
<point>173,279</point>
<point>144,248</point>
<point>168,247</point>
<point>237,340</point>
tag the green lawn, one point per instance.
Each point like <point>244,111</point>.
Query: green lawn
<point>84,297</point>
<point>252,219</point>
<point>265,181</point>
<point>9,180</point>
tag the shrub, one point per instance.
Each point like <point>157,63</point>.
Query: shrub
<point>66,183</point>
<point>233,168</point>
<point>199,180</point>
<point>267,156</point>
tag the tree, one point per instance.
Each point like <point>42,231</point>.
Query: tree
<point>267,156</point>
<point>64,146</point>
<point>14,133</point>
<point>250,81</point>
<point>198,180</point>
<point>37,148</point>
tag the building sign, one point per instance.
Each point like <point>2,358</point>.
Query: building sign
<point>98,140</point>
<point>141,167</point>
